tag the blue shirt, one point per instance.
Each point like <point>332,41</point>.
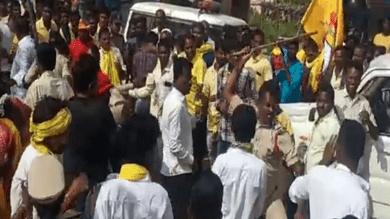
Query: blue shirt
<point>290,93</point>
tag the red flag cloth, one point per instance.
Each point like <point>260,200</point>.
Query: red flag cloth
<point>104,84</point>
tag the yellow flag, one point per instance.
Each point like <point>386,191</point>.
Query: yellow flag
<point>327,18</point>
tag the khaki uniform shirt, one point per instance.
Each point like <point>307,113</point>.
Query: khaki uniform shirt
<point>61,69</point>
<point>264,143</point>
<point>48,85</point>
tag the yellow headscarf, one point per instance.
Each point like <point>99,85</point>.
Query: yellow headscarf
<point>108,66</point>
<point>132,172</point>
<point>56,126</point>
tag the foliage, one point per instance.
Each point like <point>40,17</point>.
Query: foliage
<point>273,29</point>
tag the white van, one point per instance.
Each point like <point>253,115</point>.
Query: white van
<point>375,86</point>
<point>179,18</point>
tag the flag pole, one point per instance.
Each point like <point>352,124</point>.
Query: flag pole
<point>275,43</point>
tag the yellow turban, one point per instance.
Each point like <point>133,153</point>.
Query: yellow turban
<point>56,126</point>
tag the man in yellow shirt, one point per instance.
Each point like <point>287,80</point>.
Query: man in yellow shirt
<point>210,98</point>
<point>194,98</point>
<point>45,25</point>
<point>259,62</point>
<point>383,38</point>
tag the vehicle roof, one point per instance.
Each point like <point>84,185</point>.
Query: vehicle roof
<point>379,67</point>
<point>186,13</point>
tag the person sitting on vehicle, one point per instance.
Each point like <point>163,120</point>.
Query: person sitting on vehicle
<point>355,106</point>
<point>290,78</point>
<point>336,71</point>
<point>326,125</point>
<point>336,191</point>
<point>314,62</point>
<point>359,56</point>
<point>258,62</point>
<point>383,38</point>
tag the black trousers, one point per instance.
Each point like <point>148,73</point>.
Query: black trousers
<point>199,138</point>
<point>179,192</point>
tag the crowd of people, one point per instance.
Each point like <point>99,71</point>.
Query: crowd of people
<point>174,123</point>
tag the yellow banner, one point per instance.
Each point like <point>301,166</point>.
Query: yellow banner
<point>327,18</point>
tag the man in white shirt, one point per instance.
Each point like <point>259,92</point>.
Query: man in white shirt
<point>132,194</point>
<point>336,191</point>
<point>176,130</point>
<point>326,126</point>
<point>24,58</point>
<point>158,83</point>
<point>243,175</point>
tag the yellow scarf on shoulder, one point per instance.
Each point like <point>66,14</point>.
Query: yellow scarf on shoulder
<point>54,127</point>
<point>284,122</point>
<point>315,71</point>
<point>108,66</point>
<point>132,172</point>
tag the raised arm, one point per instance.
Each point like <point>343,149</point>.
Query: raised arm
<point>231,84</point>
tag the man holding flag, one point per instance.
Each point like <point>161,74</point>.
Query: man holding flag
<point>327,19</point>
